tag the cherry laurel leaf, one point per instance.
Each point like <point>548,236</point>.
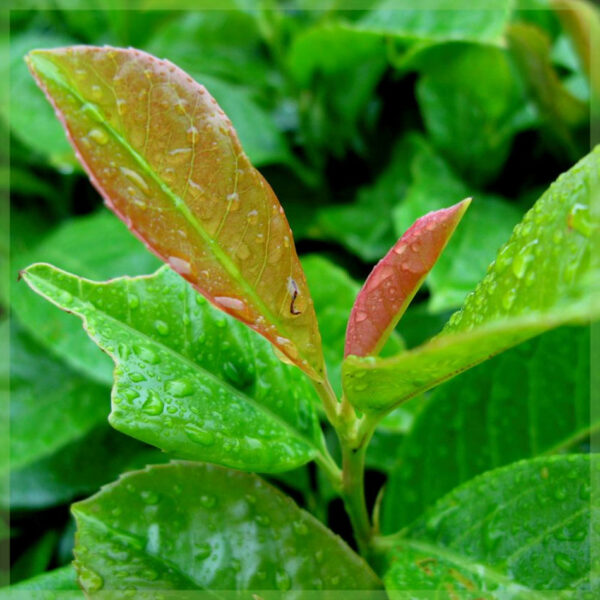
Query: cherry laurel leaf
<point>396,278</point>
<point>168,162</point>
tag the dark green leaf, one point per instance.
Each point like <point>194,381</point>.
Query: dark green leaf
<point>46,586</point>
<point>187,526</point>
<point>485,227</point>
<point>36,558</point>
<point>507,533</point>
<point>115,252</point>
<point>529,401</point>
<point>190,379</point>
<point>543,277</point>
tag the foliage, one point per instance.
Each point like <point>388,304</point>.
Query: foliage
<point>244,387</point>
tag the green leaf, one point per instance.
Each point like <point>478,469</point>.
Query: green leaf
<point>439,20</point>
<point>70,247</point>
<point>188,378</point>
<point>508,533</point>
<point>334,292</point>
<point>543,277</point>
<point>31,119</point>
<point>46,586</point>
<point>473,103</point>
<point>168,162</point>
<point>36,558</point>
<point>531,400</point>
<point>364,227</point>
<point>189,526</point>
<point>485,227</point>
<point>396,278</point>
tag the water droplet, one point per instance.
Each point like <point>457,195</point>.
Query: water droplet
<point>520,263</point>
<point>199,435</point>
<point>180,265</point>
<point>121,106</point>
<point>283,580</point>
<point>508,298</point>
<point>149,497</point>
<point>203,551</point>
<point>232,303</point>
<point>263,520</point>
<point>207,501</point>
<point>136,179</point>
<point>180,388</point>
<point>153,405</point>
<point>579,220</point>
<point>300,527</point>
<point>146,354</point>
<point>161,327</point>
<point>90,580</point>
<point>99,136</point>
<point>564,562</point>
<point>560,492</point>
<point>133,301</point>
<point>361,316</point>
<point>192,134</point>
<point>179,155</point>
<point>287,346</point>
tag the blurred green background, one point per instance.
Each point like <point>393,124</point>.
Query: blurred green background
<point>362,120</point>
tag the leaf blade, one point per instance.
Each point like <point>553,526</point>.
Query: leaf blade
<point>207,201</point>
<point>210,398</point>
<point>397,277</point>
<point>506,308</point>
<point>203,510</point>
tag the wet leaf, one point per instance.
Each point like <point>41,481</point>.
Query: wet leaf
<point>543,277</point>
<point>189,379</point>
<point>507,533</point>
<point>167,160</point>
<point>187,526</point>
<point>46,586</point>
<point>397,277</point>
<point>493,415</point>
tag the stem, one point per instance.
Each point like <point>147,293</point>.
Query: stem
<point>329,400</point>
<point>353,494</point>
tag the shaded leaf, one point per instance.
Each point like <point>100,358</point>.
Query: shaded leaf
<point>334,292</point>
<point>45,586</point>
<point>69,247</point>
<point>190,379</point>
<point>485,227</point>
<point>531,400</point>
<point>175,521</point>
<point>549,248</point>
<point>174,171</point>
<point>395,280</point>
<point>509,532</point>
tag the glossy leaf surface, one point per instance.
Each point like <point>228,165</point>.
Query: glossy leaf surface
<point>167,160</point>
<point>529,401</point>
<point>543,277</point>
<point>190,526</point>
<point>397,277</point>
<point>189,379</point>
<point>508,533</point>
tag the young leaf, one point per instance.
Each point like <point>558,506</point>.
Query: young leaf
<point>189,379</point>
<point>187,526</point>
<point>168,162</point>
<point>507,533</point>
<point>543,277</point>
<point>395,280</point>
<point>529,401</point>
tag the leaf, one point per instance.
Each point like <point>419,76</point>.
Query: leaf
<point>473,103</point>
<point>509,532</point>
<point>531,400</point>
<point>45,586</point>
<point>182,183</point>
<point>36,558</point>
<point>334,292</point>
<point>395,280</point>
<point>543,277</point>
<point>188,378</point>
<point>187,526</point>
<point>484,228</point>
<point>439,20</point>
<point>31,119</point>
<point>69,247</point>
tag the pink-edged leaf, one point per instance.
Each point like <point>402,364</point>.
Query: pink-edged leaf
<point>168,162</point>
<point>394,281</point>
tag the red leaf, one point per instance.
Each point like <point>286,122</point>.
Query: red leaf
<point>168,162</point>
<point>394,281</point>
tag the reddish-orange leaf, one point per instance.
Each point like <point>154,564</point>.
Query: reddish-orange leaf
<point>394,281</point>
<point>168,162</point>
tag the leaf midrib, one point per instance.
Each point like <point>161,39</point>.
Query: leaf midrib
<point>194,366</point>
<point>178,203</point>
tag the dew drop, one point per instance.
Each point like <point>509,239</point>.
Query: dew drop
<point>179,155</point>
<point>99,136</point>
<point>90,580</point>
<point>153,405</point>
<point>207,501</point>
<point>180,265</point>
<point>361,316</point>
<point>136,179</point>
<point>203,551</point>
<point>252,217</point>
<point>508,298</point>
<point>232,303</point>
<point>283,580</point>
<point>565,563</point>
<point>579,220</point>
<point>300,527</point>
<point>149,497</point>
<point>180,388</point>
<point>161,327</point>
<point>137,377</point>
<point>198,435</point>
<point>133,301</point>
<point>192,134</point>
<point>146,354</point>
<point>121,106</point>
